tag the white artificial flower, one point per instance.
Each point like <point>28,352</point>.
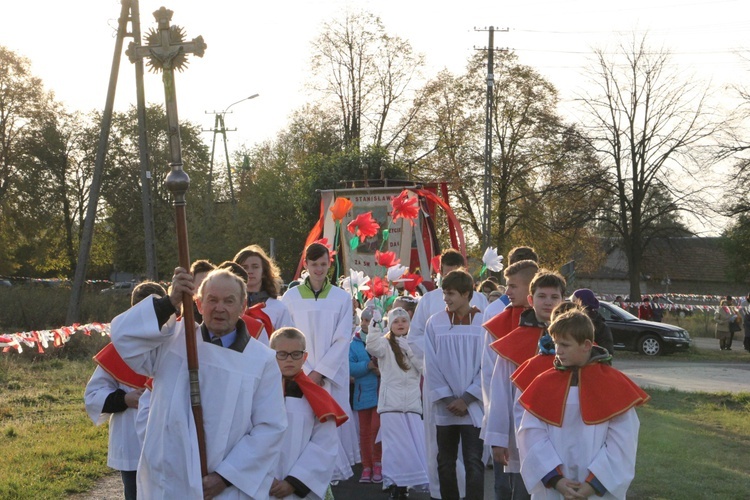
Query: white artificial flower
<point>356,281</point>
<point>395,272</point>
<point>492,260</point>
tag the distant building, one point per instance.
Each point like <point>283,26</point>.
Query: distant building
<point>685,265</point>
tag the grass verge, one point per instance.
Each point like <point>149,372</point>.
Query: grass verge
<point>693,445</point>
<point>50,448</point>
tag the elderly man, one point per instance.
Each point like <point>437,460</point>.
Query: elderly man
<point>240,381</point>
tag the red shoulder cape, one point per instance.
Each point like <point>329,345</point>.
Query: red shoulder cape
<point>504,323</point>
<point>519,345</point>
<point>111,362</point>
<point>256,312</point>
<point>254,326</point>
<point>529,369</point>
<point>322,403</point>
<point>604,392</point>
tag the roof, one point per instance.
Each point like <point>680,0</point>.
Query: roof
<point>679,259</point>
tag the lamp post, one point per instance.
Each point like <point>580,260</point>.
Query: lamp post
<point>220,128</point>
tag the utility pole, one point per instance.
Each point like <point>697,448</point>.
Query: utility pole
<point>487,185</point>
<point>128,12</point>
<point>220,128</point>
<point>146,200</point>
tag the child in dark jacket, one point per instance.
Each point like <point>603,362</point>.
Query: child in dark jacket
<point>364,370</point>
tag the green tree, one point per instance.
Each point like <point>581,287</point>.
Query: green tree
<point>55,179</point>
<point>736,243</point>
<point>23,101</point>
<point>123,214</point>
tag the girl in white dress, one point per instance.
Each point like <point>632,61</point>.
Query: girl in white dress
<point>399,405</point>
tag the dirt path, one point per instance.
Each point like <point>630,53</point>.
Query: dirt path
<point>107,488</point>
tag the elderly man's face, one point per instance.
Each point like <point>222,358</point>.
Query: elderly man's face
<point>221,305</point>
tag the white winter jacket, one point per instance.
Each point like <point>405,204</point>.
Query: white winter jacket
<point>399,389</point>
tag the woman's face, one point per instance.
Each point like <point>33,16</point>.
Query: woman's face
<point>254,267</point>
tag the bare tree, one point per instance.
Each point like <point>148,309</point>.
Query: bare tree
<point>368,72</point>
<point>650,128</point>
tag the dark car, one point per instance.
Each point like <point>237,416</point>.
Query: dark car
<point>120,288</point>
<point>647,337</point>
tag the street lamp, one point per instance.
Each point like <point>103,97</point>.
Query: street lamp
<point>220,128</point>
<point>241,100</point>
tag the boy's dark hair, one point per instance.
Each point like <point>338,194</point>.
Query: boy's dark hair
<point>574,324</point>
<point>271,279</point>
<point>314,251</point>
<point>489,284</point>
<point>564,307</point>
<point>517,254</point>
<point>288,332</point>
<point>452,257</point>
<point>460,281</point>
<point>235,269</point>
<point>201,266</point>
<point>527,268</point>
<point>143,290</point>
<point>544,278</point>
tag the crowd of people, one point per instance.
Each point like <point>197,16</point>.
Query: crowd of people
<point>425,393</point>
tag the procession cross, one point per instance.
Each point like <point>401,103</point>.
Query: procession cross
<point>166,52</point>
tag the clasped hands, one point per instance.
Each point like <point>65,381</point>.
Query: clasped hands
<point>572,490</point>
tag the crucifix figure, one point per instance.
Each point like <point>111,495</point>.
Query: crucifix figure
<point>166,51</point>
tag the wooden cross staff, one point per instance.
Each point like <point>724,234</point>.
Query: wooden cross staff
<point>166,52</point>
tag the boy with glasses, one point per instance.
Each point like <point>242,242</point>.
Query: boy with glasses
<point>310,444</point>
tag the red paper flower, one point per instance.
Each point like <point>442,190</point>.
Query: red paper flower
<point>363,226</point>
<point>379,287</point>
<point>340,208</point>
<point>386,259</point>
<point>411,281</point>
<point>405,207</point>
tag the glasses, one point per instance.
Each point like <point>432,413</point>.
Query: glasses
<point>296,355</point>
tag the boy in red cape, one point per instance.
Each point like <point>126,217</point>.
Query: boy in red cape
<point>518,276</point>
<point>112,394</point>
<point>578,434</point>
<point>545,292</point>
<point>310,444</point>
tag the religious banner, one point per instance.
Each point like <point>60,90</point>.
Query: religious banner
<point>396,236</point>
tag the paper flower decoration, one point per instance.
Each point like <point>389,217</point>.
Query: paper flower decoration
<point>405,207</point>
<point>340,208</point>
<point>363,226</point>
<point>386,259</point>
<point>492,260</point>
<point>356,281</point>
<point>379,287</point>
<point>411,282</point>
<point>396,272</point>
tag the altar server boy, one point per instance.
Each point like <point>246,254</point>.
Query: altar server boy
<point>310,443</point>
<point>113,394</point>
<point>579,430</point>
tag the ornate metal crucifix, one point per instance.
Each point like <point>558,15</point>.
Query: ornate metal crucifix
<point>167,51</point>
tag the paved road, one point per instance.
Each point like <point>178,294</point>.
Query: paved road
<point>665,373</point>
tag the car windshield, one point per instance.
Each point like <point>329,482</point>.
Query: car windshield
<point>613,309</point>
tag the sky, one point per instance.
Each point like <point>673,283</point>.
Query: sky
<point>265,49</point>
